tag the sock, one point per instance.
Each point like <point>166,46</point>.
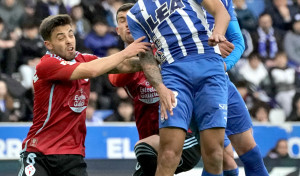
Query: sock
<point>147,157</point>
<point>253,163</point>
<point>204,173</point>
<point>234,172</point>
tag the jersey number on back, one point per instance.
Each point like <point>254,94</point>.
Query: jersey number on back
<point>163,11</point>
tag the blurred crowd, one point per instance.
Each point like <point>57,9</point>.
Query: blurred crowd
<point>267,76</point>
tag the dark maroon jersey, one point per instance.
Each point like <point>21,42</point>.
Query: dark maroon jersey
<point>59,107</point>
<point>146,101</point>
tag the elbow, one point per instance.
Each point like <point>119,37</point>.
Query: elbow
<point>226,16</point>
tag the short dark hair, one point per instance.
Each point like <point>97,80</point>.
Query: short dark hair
<point>254,55</point>
<point>99,20</point>
<point>124,8</point>
<point>263,14</point>
<point>30,24</point>
<point>51,22</point>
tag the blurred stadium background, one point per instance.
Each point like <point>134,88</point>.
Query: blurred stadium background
<point>267,77</point>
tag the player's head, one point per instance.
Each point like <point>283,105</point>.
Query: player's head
<point>58,36</point>
<point>122,28</point>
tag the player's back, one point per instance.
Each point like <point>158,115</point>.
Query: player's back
<point>177,27</point>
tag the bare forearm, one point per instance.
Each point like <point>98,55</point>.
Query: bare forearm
<point>151,69</point>
<point>220,14</point>
<point>128,66</point>
<point>97,67</point>
<point>221,22</point>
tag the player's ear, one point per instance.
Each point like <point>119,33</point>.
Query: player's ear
<point>48,45</point>
<point>117,30</point>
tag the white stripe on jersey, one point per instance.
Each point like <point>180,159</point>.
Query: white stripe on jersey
<point>179,39</point>
<point>163,41</point>
<point>133,18</point>
<point>226,2</point>
<point>201,15</point>
<point>49,109</point>
<point>193,30</point>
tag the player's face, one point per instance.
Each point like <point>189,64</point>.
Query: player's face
<point>62,42</point>
<point>122,29</point>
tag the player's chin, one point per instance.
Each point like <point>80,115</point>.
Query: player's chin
<point>70,55</point>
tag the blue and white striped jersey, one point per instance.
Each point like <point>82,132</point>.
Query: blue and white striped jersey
<point>177,27</point>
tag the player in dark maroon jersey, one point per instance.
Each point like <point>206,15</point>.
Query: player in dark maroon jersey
<point>145,98</point>
<point>55,142</point>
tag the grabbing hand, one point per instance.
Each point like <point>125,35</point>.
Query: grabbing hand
<point>216,38</point>
<point>226,48</point>
<point>137,47</point>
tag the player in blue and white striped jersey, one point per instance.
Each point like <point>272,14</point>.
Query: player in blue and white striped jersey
<point>186,33</point>
<point>192,69</point>
<point>239,125</point>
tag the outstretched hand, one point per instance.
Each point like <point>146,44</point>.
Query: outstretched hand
<point>137,47</point>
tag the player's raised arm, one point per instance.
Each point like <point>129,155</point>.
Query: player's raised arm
<point>222,18</point>
<point>103,65</point>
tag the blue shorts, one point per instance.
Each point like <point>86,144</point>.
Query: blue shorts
<point>239,119</point>
<point>200,86</point>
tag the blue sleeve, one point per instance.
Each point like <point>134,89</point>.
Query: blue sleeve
<point>234,35</point>
<point>136,29</point>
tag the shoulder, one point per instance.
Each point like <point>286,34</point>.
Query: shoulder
<point>86,56</point>
<point>50,58</point>
<point>136,8</point>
